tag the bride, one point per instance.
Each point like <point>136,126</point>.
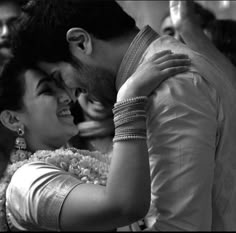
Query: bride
<point>49,187</point>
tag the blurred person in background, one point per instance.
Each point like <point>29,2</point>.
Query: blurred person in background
<point>219,31</point>
<point>10,10</point>
<point>216,42</point>
<point>204,17</point>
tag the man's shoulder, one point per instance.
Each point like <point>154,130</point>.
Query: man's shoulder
<point>205,67</point>
<point>170,43</point>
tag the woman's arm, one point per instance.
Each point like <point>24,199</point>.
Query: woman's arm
<point>126,197</point>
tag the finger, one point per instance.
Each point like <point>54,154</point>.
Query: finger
<point>166,74</point>
<point>170,72</point>
<point>174,63</point>
<point>159,55</point>
<point>170,57</point>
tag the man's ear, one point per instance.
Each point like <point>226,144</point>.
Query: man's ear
<point>80,41</point>
<point>10,120</point>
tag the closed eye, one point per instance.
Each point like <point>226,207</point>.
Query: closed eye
<point>46,91</point>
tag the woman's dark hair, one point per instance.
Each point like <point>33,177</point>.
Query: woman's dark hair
<point>11,96</point>
<point>12,85</point>
<point>44,25</point>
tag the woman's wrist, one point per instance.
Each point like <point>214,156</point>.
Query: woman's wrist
<point>124,94</point>
<point>130,119</point>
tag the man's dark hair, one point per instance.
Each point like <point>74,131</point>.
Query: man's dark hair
<point>45,23</point>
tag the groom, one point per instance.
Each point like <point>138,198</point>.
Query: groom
<point>96,46</point>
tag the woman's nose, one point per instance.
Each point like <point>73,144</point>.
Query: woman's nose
<point>64,98</point>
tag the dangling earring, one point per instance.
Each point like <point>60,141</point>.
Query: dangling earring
<point>20,145</point>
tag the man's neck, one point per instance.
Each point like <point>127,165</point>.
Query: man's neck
<point>119,48</point>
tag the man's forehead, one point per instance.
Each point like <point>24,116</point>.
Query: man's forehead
<point>61,67</point>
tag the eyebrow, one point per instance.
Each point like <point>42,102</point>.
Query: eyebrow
<point>43,80</point>
<point>56,77</point>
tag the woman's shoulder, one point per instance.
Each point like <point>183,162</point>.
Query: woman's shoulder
<point>36,186</point>
<point>31,175</point>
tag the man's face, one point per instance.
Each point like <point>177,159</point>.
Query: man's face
<point>9,12</point>
<point>98,82</point>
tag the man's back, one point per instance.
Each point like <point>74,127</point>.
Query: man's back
<point>191,145</point>
<point>191,134</point>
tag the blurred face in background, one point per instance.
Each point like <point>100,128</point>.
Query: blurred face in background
<point>167,28</point>
<point>9,11</point>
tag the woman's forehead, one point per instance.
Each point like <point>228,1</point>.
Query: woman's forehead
<point>34,77</point>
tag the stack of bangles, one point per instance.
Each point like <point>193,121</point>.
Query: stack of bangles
<point>127,114</point>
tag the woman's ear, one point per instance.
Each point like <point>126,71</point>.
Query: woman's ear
<point>80,41</point>
<point>10,120</point>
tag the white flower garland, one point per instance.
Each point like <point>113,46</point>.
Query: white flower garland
<point>89,167</point>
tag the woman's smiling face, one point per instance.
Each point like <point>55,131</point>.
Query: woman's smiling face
<point>46,113</point>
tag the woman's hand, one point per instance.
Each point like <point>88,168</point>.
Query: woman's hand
<point>182,12</point>
<point>152,73</point>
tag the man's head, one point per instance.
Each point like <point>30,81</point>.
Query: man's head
<point>9,11</point>
<point>82,33</point>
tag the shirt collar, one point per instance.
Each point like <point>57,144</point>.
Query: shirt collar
<point>134,53</point>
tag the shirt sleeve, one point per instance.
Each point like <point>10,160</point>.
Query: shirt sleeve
<point>182,123</point>
<point>35,196</point>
